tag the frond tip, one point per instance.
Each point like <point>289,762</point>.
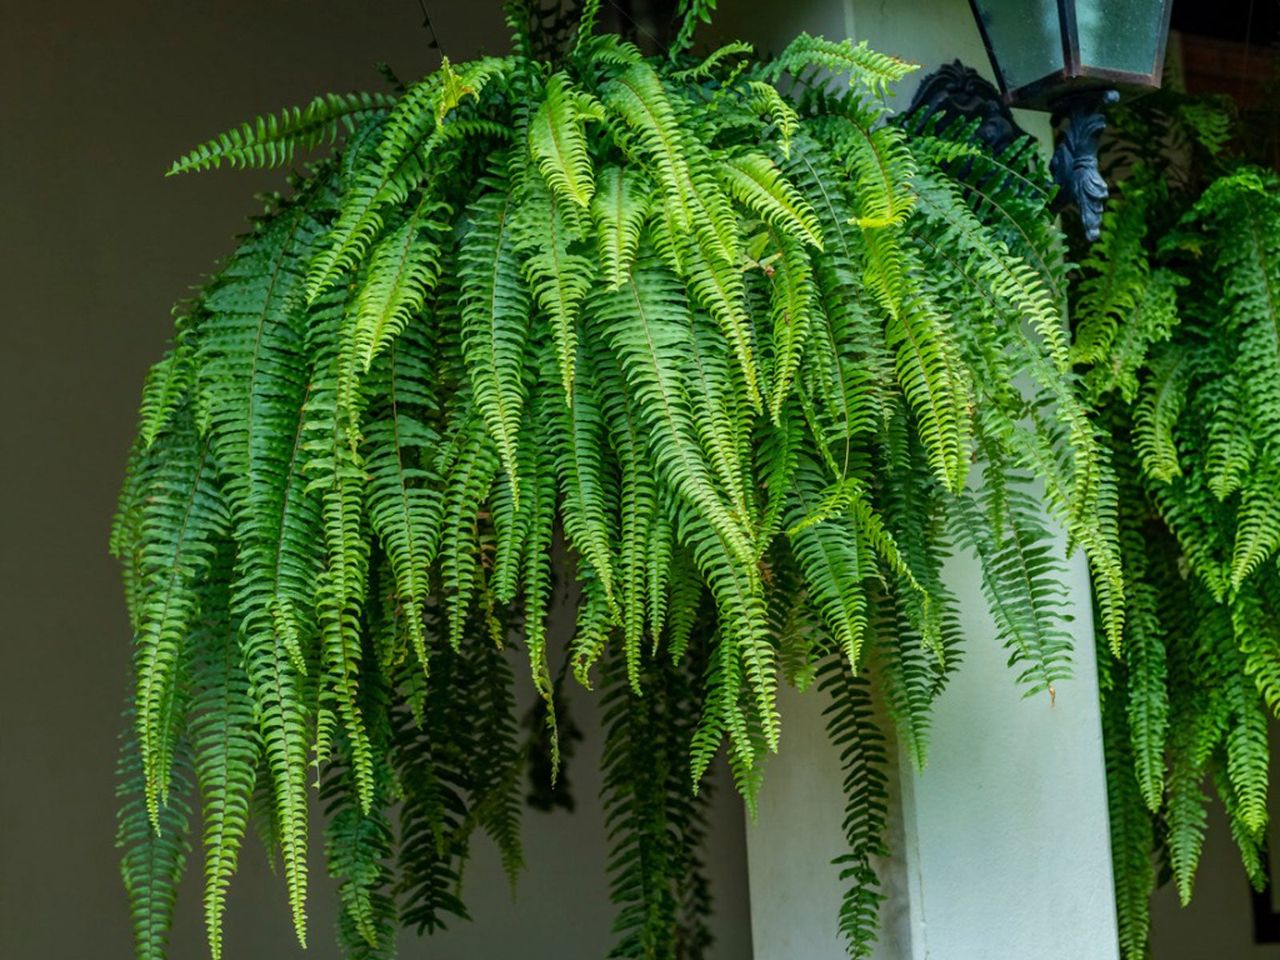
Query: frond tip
<point>272,140</point>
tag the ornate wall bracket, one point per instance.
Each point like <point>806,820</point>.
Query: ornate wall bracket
<point>1075,160</point>
<point>957,92</point>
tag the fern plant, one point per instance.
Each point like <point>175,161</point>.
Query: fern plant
<point>725,325</point>
<point>1178,310</point>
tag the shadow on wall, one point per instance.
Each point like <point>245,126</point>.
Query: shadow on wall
<point>97,99</point>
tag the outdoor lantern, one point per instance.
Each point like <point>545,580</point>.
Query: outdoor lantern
<point>1043,51</point>
<point>1070,57</point>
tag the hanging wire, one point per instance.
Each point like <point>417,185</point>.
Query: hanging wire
<point>426,22</point>
<point>626,16</point>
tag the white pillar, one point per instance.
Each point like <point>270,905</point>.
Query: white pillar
<point>1001,845</point>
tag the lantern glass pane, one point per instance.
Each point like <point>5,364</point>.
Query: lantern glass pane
<point>1120,34</point>
<point>1025,37</point>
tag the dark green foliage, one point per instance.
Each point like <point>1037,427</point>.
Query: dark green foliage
<point>852,726</point>
<point>656,824</point>
<point>739,348</point>
<point>155,847</point>
<point>1177,316</point>
<point>551,744</point>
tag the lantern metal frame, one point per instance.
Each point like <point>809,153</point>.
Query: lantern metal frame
<point>1042,93</point>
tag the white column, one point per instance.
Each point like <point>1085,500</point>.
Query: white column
<point>1001,845</point>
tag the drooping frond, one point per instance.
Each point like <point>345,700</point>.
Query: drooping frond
<point>168,385</point>
<point>559,278</point>
<point>183,518</point>
<point>656,826</point>
<point>405,490</point>
<point>619,208</point>
<point>757,183</point>
<point>403,267</point>
<point>851,725</point>
<point>226,747</point>
<point>559,144</point>
<point>1021,580</point>
<point>495,324</point>
<point>155,848</point>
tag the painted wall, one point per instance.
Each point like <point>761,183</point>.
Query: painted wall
<point>96,98</point>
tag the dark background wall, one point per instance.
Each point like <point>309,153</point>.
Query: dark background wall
<point>96,98</point>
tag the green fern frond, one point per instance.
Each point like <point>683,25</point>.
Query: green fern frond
<point>559,279</point>
<point>619,208</point>
<point>467,485</point>
<point>495,325</point>
<point>1116,272</point>
<point>1155,415</point>
<point>1257,524</point>
<point>1232,445</point>
<point>155,848</point>
<point>405,491</point>
<point>403,268</point>
<point>1021,581</point>
<point>167,386</point>
<point>184,517</point>
<point>830,554</point>
<point>713,61</point>
<point>588,490</point>
<point>873,70</point>
<point>358,846</point>
<point>559,145</point>
<point>924,358</point>
<point>852,727</point>
<point>646,324</point>
<point>767,100</point>
<point>272,140</point>
<point>793,306</point>
<point>226,747</point>
<point>1132,836</point>
<point>757,183</point>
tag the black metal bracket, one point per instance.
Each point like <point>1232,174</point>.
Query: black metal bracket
<point>1075,160</point>
<point>957,92</point>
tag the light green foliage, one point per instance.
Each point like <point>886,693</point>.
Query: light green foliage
<point>728,341</point>
<point>559,144</point>
<point>1177,317</point>
<point>183,515</point>
<point>619,209</point>
<point>874,70</point>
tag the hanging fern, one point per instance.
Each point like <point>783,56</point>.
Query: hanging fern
<point>1177,313</point>
<point>741,337</point>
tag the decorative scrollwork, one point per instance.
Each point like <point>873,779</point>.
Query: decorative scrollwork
<point>957,92</point>
<point>1075,161</point>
